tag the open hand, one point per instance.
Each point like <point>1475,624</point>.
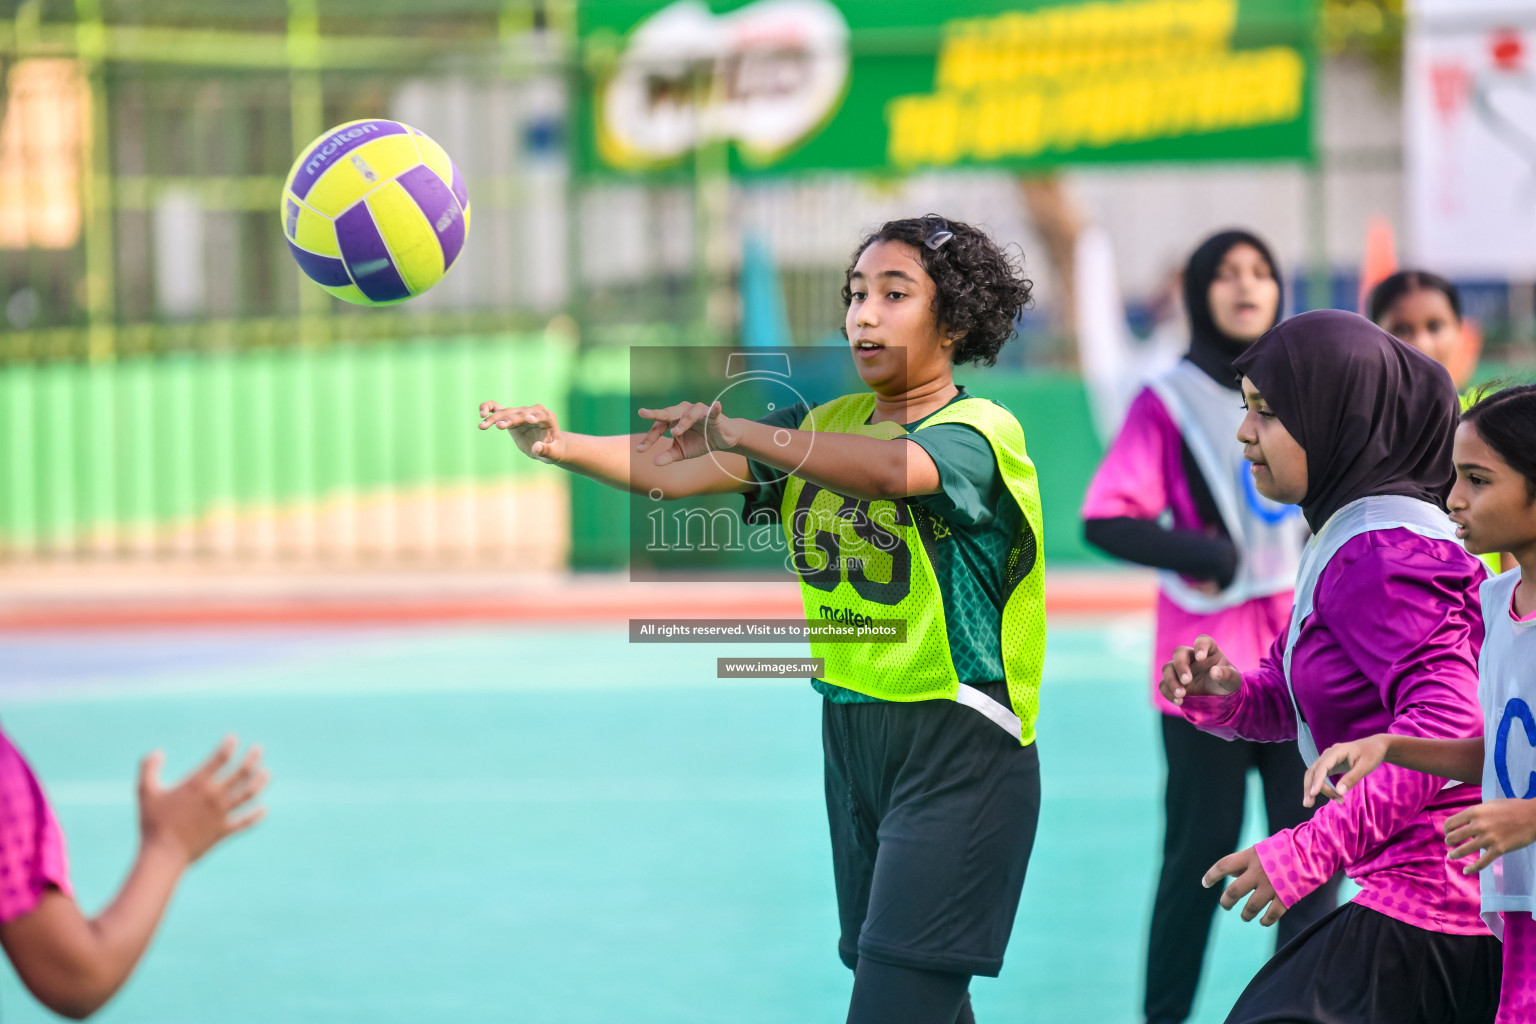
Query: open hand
<point>533,427</point>
<point>696,428</point>
<point>1495,827</point>
<point>203,808</point>
<point>1357,759</point>
<point>1250,877</point>
<point>1199,671</point>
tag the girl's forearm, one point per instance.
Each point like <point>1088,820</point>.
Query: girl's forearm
<point>72,964</point>
<point>611,459</point>
<point>125,926</point>
<point>866,468</point>
<point>1459,759</point>
<point>606,459</point>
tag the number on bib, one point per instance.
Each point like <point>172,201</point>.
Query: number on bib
<point>861,543</point>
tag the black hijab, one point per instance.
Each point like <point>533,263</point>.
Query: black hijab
<point>1375,416</point>
<point>1209,348</point>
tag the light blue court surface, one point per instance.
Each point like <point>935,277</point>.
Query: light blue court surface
<point>552,825</point>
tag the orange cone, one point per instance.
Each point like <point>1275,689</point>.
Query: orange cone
<point>1380,260</point>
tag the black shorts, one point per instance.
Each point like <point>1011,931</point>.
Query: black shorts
<point>1359,966</point>
<point>933,810</point>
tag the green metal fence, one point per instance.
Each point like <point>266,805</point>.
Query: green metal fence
<point>146,146</point>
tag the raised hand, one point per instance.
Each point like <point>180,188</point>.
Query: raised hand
<point>204,808</point>
<point>1357,759</point>
<point>533,427</point>
<point>1199,671</point>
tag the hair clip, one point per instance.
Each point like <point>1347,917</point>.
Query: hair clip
<point>938,238</point>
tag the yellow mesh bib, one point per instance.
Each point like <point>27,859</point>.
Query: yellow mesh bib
<point>866,561</point>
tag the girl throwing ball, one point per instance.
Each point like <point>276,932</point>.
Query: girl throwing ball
<point>912,500</point>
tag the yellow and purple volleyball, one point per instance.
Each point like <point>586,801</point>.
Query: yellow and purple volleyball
<point>375,212</point>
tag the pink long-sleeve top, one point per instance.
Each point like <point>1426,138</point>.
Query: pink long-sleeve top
<point>1141,477</point>
<point>1391,646</point>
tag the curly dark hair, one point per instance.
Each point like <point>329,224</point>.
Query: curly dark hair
<point>981,288</point>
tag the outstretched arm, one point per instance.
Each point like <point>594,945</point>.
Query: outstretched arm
<point>74,964</point>
<point>867,468</point>
<point>616,459</point>
<point>1459,759</point>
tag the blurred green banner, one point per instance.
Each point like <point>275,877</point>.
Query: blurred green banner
<point>906,84</point>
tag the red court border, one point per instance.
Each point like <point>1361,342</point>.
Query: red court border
<point>1073,595</point>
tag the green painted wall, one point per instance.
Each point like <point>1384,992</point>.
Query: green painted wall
<point>165,440</point>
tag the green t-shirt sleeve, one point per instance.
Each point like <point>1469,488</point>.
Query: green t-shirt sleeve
<point>762,504</point>
<point>972,484</point>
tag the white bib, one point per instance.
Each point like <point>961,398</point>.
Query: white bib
<point>1269,536</point>
<point>1506,674</point>
<point>1378,512</point>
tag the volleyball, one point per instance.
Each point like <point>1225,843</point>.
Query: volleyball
<point>375,212</point>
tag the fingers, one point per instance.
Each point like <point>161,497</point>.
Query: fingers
<point>245,821</point>
<point>510,417</point>
<point>501,419</point>
<point>1489,856</point>
<point>1236,889</point>
<point>1316,778</point>
<point>653,435</point>
<point>1460,833</point>
<point>246,781</point>
<point>1258,903</point>
<point>1231,864</point>
<point>694,412</point>
<point>1465,836</point>
<point>1170,687</point>
<point>1359,768</point>
<point>218,759</point>
<point>1313,782</point>
<point>1180,663</point>
<point>1204,649</point>
<point>1250,881</point>
<point>668,415</point>
<point>676,420</point>
<point>665,419</point>
<point>149,772</point>
<point>1466,846</point>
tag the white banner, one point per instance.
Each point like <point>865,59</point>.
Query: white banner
<point>1470,92</point>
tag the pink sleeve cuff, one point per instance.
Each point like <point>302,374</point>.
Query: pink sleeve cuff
<point>1214,715</point>
<point>1290,871</point>
<point>1260,710</point>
